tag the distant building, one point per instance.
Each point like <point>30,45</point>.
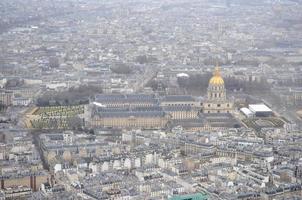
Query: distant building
<point>120,100</point>
<point>178,100</point>
<point>21,101</point>
<point>260,110</point>
<point>149,112</point>
<point>246,112</point>
<point>296,95</point>
<point>182,112</point>
<point>17,192</point>
<point>196,196</point>
<point>6,97</point>
<point>217,101</point>
<point>140,117</point>
<point>27,179</point>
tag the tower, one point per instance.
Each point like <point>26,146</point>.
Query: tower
<point>217,101</point>
<point>216,88</point>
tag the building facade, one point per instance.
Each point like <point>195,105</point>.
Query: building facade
<point>217,101</point>
<point>6,97</point>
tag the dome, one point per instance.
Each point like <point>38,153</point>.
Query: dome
<point>216,79</point>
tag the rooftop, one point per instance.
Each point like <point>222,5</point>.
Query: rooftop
<point>180,98</point>
<point>196,196</point>
<point>259,108</point>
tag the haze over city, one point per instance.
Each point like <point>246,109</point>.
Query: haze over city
<point>151,99</point>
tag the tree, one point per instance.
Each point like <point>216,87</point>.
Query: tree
<point>53,124</point>
<point>54,62</point>
<point>121,68</point>
<point>141,59</point>
<point>155,85</point>
<point>75,123</point>
<point>74,96</point>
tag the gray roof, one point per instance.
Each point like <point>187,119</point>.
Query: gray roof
<point>129,98</point>
<point>179,98</point>
<point>178,108</point>
<point>129,109</point>
<point>186,123</point>
<point>221,120</point>
<point>133,113</point>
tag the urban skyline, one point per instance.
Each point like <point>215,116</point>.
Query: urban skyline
<point>151,99</point>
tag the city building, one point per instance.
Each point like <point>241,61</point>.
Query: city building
<point>197,196</point>
<point>6,97</point>
<point>217,101</point>
<point>260,110</point>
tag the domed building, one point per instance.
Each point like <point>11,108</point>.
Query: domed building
<point>217,101</point>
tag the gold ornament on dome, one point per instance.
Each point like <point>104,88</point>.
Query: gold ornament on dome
<point>216,80</point>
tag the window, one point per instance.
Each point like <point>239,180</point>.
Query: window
<point>209,105</point>
<point>218,105</point>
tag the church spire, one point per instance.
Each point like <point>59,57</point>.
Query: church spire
<point>217,71</point>
<point>216,80</point>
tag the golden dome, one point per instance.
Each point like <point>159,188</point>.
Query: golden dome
<point>216,79</point>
